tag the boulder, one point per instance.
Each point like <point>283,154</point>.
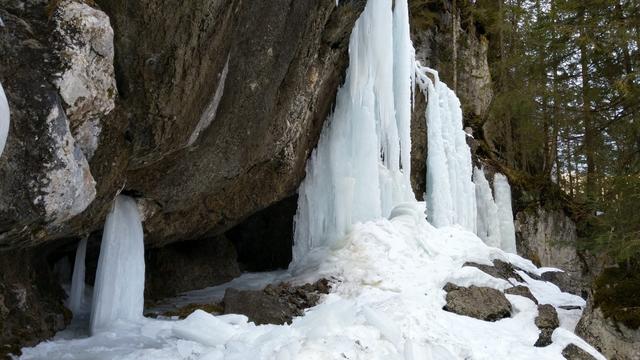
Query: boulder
<point>547,321</point>
<point>275,304</point>
<point>521,290</point>
<point>478,302</point>
<point>500,269</point>
<point>573,352</point>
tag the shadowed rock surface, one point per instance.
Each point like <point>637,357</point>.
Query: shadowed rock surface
<point>573,352</point>
<point>275,304</point>
<point>521,291</point>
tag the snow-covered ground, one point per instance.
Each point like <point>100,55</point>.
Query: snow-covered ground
<point>386,303</point>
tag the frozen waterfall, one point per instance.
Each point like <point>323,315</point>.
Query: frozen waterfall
<point>4,119</point>
<point>502,194</point>
<point>488,228</point>
<point>450,191</point>
<point>495,216</point>
<point>119,287</point>
<point>360,169</point>
<point>77,280</point>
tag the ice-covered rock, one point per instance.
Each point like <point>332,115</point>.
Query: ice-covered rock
<point>118,293</point>
<point>84,42</point>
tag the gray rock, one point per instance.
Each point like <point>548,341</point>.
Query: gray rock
<point>478,302</point>
<point>549,238</point>
<point>547,321</point>
<point>521,290</point>
<point>84,42</point>
<point>573,352</point>
<point>613,340</point>
<point>275,304</point>
<point>500,270</point>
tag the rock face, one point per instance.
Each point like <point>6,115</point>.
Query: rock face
<point>477,302</point>
<point>549,239</point>
<point>613,340</point>
<point>210,106</point>
<point>30,301</point>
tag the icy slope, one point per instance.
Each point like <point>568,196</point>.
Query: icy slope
<point>386,303</point>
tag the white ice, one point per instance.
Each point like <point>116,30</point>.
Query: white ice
<point>502,194</point>
<point>360,169</point>
<point>76,295</point>
<point>4,119</point>
<point>450,190</point>
<point>119,285</point>
<point>488,225</point>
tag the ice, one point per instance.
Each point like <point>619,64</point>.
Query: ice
<point>450,190</point>
<point>488,225</point>
<point>76,296</point>
<point>502,193</point>
<point>118,294</point>
<point>4,119</point>
<point>360,169</point>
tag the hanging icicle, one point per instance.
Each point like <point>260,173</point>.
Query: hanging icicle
<point>4,119</point>
<point>450,191</point>
<point>77,280</point>
<point>119,287</point>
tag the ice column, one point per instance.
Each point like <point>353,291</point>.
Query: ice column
<point>119,286</point>
<point>4,119</point>
<point>450,190</point>
<point>77,280</point>
<point>502,193</point>
<point>360,169</point>
<point>488,228</point>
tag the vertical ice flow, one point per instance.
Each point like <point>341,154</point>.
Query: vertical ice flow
<point>502,193</point>
<point>77,280</point>
<point>450,189</point>
<point>4,119</point>
<point>360,168</point>
<point>119,286</point>
<point>488,228</point>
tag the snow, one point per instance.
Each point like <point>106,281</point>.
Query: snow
<point>4,118</point>
<point>119,286</point>
<point>386,303</point>
<point>360,168</point>
<point>502,193</point>
<point>450,191</point>
<point>76,296</point>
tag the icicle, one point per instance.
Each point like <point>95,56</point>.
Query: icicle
<point>119,287</point>
<point>488,228</point>
<point>450,191</point>
<point>360,169</point>
<point>77,280</point>
<point>4,119</point>
<point>502,193</point>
